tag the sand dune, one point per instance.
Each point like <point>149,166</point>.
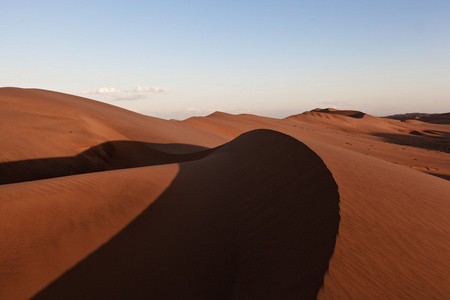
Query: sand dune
<point>43,124</point>
<point>97,202</point>
<point>348,113</point>
<point>256,218</point>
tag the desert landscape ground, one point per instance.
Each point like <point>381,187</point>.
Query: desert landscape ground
<point>98,202</point>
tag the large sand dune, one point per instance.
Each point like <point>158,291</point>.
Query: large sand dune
<point>97,202</point>
<point>256,218</point>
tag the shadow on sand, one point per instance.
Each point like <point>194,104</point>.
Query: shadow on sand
<point>256,218</point>
<point>103,157</point>
<point>440,142</point>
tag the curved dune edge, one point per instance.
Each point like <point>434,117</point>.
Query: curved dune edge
<point>257,218</point>
<point>394,238</point>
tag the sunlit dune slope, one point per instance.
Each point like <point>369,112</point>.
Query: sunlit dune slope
<point>47,226</point>
<point>386,139</point>
<point>45,124</point>
<point>394,234</point>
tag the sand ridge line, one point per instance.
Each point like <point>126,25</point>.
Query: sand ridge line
<point>107,156</point>
<point>256,218</point>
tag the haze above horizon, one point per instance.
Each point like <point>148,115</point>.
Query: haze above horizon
<point>175,59</point>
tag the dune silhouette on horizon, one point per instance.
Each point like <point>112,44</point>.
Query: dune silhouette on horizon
<point>97,202</point>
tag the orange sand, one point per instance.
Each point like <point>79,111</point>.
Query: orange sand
<point>99,202</point>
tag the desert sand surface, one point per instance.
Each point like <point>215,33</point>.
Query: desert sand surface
<point>98,202</point>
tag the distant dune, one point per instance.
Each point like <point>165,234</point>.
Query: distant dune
<point>430,118</point>
<point>348,113</point>
<point>97,202</point>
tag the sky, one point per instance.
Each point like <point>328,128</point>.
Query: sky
<point>176,59</point>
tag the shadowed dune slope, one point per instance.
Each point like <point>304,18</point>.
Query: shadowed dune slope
<point>107,156</point>
<point>394,233</point>
<point>256,218</point>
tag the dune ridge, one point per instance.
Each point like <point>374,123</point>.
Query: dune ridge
<point>112,155</point>
<point>348,113</point>
<point>44,124</point>
<point>231,231</point>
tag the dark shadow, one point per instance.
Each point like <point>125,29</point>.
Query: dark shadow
<point>256,218</point>
<point>431,133</point>
<point>348,113</point>
<point>443,176</point>
<point>107,156</point>
<point>417,139</point>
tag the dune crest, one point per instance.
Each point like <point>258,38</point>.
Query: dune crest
<point>112,155</point>
<point>348,113</point>
<point>234,230</point>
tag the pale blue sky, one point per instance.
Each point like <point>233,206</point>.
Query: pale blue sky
<point>174,59</point>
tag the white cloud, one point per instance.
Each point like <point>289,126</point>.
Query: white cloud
<point>156,90</point>
<point>105,90</point>
<point>129,96</point>
<point>137,93</point>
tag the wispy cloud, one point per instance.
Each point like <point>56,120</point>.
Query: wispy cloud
<point>154,89</point>
<point>137,92</point>
<point>105,90</point>
<point>129,96</point>
<point>102,90</point>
